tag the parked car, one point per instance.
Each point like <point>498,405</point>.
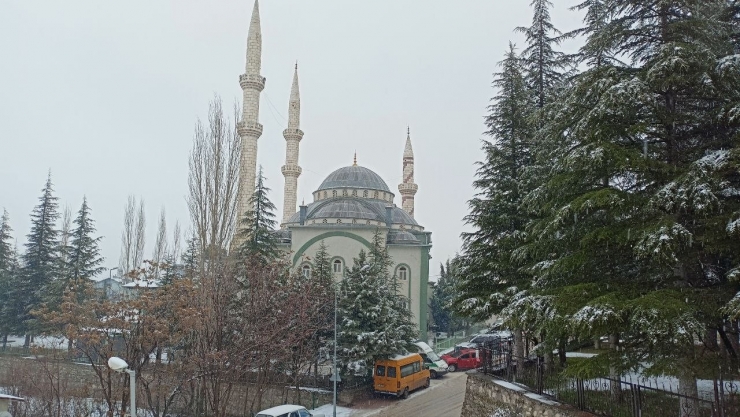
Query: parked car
<point>463,359</point>
<point>437,367</point>
<point>287,410</point>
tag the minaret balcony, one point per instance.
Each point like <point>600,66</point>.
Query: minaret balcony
<point>296,134</point>
<point>407,188</point>
<point>251,81</point>
<point>291,170</point>
<point>249,129</point>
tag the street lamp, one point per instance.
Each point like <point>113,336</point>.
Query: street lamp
<point>335,377</point>
<point>119,365</point>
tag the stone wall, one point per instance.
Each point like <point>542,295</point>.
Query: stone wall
<point>488,396</point>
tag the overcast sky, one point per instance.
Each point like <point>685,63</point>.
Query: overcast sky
<point>105,95</point>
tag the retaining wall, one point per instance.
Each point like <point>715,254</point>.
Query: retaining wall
<point>488,396</point>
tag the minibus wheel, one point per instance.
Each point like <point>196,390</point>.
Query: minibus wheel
<point>427,384</point>
<point>405,393</point>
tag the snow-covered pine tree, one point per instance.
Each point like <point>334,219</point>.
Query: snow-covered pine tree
<point>375,320</point>
<point>39,261</point>
<point>444,293</point>
<point>495,215</point>
<point>641,190</point>
<point>190,258</point>
<point>257,227</point>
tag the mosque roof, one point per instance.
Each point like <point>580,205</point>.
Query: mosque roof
<point>353,208</point>
<point>354,176</point>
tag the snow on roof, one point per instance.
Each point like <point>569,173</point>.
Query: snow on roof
<point>101,279</point>
<point>11,397</point>
<point>281,409</point>
<point>142,283</point>
<point>399,357</point>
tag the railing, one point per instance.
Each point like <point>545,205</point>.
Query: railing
<point>606,396</point>
<point>443,344</point>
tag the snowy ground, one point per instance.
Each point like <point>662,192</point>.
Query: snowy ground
<point>46,342</point>
<point>328,411</point>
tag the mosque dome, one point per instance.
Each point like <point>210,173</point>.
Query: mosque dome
<point>354,176</point>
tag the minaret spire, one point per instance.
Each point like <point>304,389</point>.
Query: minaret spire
<point>249,128</point>
<point>293,135</point>
<point>408,188</point>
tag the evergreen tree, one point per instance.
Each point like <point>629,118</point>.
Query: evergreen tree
<point>9,307</point>
<point>375,319</point>
<point>544,66</point>
<point>634,238</point>
<point>85,259</point>
<point>39,262</point>
<point>443,297</point>
<point>258,225</point>
<point>495,213</point>
<point>190,258</point>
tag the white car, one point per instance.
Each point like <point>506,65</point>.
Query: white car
<point>287,410</point>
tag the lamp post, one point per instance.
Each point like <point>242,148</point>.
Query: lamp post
<point>335,377</point>
<point>119,365</point>
<point>110,272</point>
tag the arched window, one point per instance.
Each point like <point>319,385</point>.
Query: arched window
<point>403,273</point>
<point>364,193</point>
<point>337,266</point>
<point>306,271</point>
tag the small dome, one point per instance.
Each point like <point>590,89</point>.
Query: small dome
<point>354,177</point>
<point>401,237</point>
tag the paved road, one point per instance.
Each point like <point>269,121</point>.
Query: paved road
<point>443,399</point>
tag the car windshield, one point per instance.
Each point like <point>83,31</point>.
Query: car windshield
<point>432,356</point>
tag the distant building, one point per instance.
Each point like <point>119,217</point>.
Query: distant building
<point>111,287</point>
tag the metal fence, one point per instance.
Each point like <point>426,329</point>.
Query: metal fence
<point>606,396</point>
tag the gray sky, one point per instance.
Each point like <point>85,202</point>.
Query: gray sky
<point>106,94</point>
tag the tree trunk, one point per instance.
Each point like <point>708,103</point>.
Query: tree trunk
<point>689,407</point>
<point>5,341</point>
<point>27,341</point>
<point>561,353</point>
<point>710,338</point>
<point>597,343</point>
<point>518,343</point>
<point>616,385</point>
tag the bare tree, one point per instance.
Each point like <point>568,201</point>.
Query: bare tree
<point>126,260</point>
<point>140,236</point>
<point>214,180</point>
<point>160,245</point>
<point>133,237</point>
<point>176,237</point>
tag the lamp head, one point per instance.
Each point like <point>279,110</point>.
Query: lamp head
<point>117,364</point>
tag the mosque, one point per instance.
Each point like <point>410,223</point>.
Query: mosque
<point>349,206</point>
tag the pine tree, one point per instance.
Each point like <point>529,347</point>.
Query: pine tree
<point>190,258</point>
<point>635,237</point>
<point>544,66</point>
<point>375,319</point>
<point>258,225</point>
<point>443,297</point>
<point>490,271</point>
<point>9,307</point>
<point>39,262</point>
<point>85,258</point>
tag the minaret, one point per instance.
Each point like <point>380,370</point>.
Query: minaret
<point>249,128</point>
<point>293,135</point>
<point>408,188</point>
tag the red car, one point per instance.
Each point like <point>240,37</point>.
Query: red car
<point>462,359</point>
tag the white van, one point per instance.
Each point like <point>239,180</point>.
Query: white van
<point>437,366</point>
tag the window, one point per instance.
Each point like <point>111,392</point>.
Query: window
<point>375,194</point>
<point>303,413</point>
<point>334,193</point>
<point>306,271</point>
<point>354,193</point>
<point>403,273</point>
<point>391,372</point>
<point>364,193</point>
<point>324,194</point>
<point>417,367</point>
<point>465,356</point>
<point>337,266</point>
<point>380,370</point>
<point>407,370</point>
